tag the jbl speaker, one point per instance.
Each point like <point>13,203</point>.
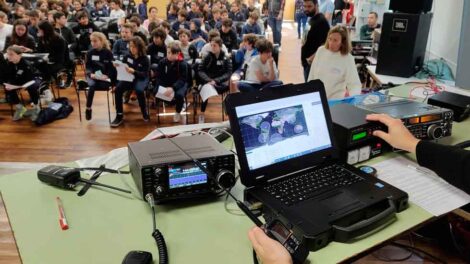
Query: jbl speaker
<point>403,43</point>
<point>411,7</point>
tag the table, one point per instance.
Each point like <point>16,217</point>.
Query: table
<point>105,225</point>
<point>379,79</point>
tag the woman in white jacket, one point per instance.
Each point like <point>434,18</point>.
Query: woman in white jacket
<point>335,67</point>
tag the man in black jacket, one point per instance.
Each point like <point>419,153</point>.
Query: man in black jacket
<point>214,71</point>
<point>316,35</point>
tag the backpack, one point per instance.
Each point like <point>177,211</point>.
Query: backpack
<point>60,109</point>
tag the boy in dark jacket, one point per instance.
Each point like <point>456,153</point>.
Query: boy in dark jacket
<point>172,72</point>
<point>83,31</point>
<point>214,71</point>
<point>228,35</point>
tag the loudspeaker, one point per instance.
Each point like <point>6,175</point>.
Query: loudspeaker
<point>411,7</point>
<point>403,43</point>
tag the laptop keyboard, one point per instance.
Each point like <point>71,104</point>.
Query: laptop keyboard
<point>303,187</point>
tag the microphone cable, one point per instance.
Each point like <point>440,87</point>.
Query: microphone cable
<point>156,234</point>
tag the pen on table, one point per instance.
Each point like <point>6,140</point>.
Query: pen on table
<point>62,219</point>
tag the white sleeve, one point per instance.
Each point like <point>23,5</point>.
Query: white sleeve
<point>314,65</point>
<point>353,83</point>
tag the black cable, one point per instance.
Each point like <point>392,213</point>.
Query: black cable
<point>255,258</point>
<point>156,234</point>
<point>387,259</point>
<point>104,170</point>
<point>417,250</point>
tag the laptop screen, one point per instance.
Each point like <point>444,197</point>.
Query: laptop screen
<point>278,130</point>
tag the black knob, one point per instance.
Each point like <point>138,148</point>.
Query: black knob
<point>435,132</point>
<point>225,179</point>
<point>159,190</point>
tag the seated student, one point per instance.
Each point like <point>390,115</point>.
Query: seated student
<point>198,36</point>
<point>5,29</point>
<point>262,71</point>
<point>77,9</point>
<point>214,70</point>
<point>19,13</point>
<point>169,38</point>
<point>181,22</point>
<point>100,10</point>
<point>153,17</point>
<point>242,58</point>
<point>98,69</point>
<point>188,50</point>
<point>172,72</point>
<point>207,47</point>
<point>235,12</point>
<point>335,67</point>
<point>83,31</point>
<point>52,43</point>
<point>137,64</point>
<point>214,20</point>
<point>121,46</point>
<point>33,16</point>
<point>367,29</point>
<point>20,37</point>
<point>19,72</point>
<point>228,35</point>
<point>157,49</point>
<point>60,25</point>
<point>251,25</point>
<point>172,14</point>
<point>137,29</point>
<point>116,11</point>
<point>193,11</point>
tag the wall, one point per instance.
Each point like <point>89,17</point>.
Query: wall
<point>462,77</point>
<point>444,38</point>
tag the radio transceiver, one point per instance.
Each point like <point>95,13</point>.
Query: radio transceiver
<point>424,121</point>
<point>166,168</point>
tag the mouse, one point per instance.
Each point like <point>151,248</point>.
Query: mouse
<point>138,257</point>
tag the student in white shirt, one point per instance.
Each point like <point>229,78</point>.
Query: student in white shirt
<point>5,30</point>
<point>116,11</point>
<point>335,67</point>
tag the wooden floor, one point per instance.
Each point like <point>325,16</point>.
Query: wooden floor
<point>69,139</point>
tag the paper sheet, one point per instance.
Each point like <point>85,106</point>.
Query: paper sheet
<point>424,187</point>
<point>161,93</point>
<point>10,87</point>
<point>122,74</point>
<point>115,159</point>
<point>207,91</point>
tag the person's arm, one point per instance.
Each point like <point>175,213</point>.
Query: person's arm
<point>315,65</point>
<point>143,72</point>
<point>316,37</point>
<point>450,163</point>
<point>227,72</point>
<point>281,10</point>
<point>116,47</point>
<point>353,83</point>
<point>183,76</point>
<point>363,32</point>
<point>88,64</point>
<point>202,69</point>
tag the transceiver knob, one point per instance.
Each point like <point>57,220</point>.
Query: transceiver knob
<point>159,190</point>
<point>435,132</point>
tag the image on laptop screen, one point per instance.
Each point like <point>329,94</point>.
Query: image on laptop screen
<point>282,129</point>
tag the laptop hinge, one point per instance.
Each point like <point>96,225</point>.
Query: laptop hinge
<point>289,174</point>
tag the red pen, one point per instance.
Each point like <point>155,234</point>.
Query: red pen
<point>62,219</point>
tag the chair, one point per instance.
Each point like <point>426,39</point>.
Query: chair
<point>82,86</point>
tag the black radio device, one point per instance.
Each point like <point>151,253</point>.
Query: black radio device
<point>166,168</point>
<point>424,121</point>
<point>353,134</point>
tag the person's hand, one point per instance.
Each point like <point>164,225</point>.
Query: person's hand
<point>115,65</point>
<point>168,92</point>
<point>93,76</point>
<point>398,135</point>
<point>130,70</point>
<point>268,250</point>
<point>270,61</point>
<point>279,17</point>
<point>212,83</point>
<point>310,59</point>
<point>104,77</point>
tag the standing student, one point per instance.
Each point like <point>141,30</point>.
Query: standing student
<point>20,37</point>
<point>335,67</point>
<point>275,15</point>
<point>300,17</point>
<point>19,72</point>
<point>327,8</point>
<point>137,63</point>
<point>98,69</point>
<point>316,35</point>
<point>214,70</point>
<point>172,72</point>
